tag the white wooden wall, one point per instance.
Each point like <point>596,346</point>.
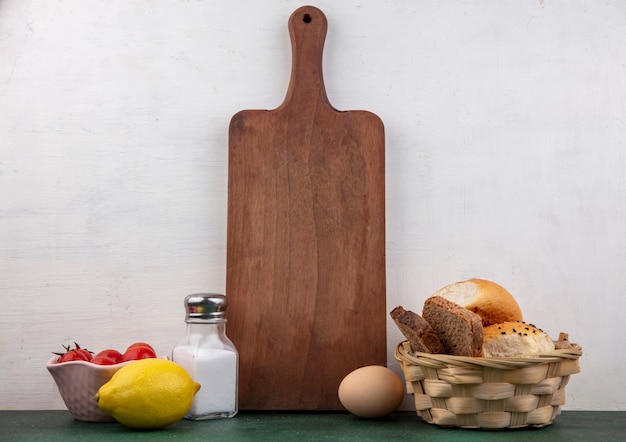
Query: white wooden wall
<point>505,138</point>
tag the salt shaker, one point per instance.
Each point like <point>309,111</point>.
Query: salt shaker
<point>209,357</point>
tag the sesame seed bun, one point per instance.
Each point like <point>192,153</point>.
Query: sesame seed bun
<point>511,339</point>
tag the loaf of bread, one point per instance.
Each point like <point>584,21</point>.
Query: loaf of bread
<point>492,302</point>
<point>474,318</point>
<point>511,339</point>
<point>417,330</point>
<point>460,330</point>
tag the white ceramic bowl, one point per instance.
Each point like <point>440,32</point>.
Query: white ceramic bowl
<point>78,383</point>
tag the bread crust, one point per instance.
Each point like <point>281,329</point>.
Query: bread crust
<point>460,330</point>
<point>511,339</point>
<point>417,330</point>
<point>492,302</point>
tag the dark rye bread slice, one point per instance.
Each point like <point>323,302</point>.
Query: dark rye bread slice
<point>459,329</point>
<point>417,330</point>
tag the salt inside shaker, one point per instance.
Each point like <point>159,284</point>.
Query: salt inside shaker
<point>209,357</point>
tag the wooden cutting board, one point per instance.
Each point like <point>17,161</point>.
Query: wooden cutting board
<point>306,239</point>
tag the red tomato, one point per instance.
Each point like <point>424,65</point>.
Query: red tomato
<point>135,353</point>
<point>140,344</point>
<point>76,354</point>
<point>103,360</point>
<point>84,351</point>
<point>110,353</point>
<point>72,355</point>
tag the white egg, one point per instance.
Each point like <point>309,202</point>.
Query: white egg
<point>371,392</point>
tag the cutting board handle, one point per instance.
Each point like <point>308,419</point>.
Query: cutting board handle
<point>307,30</point>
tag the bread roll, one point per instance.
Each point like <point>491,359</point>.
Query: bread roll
<point>417,330</point>
<point>460,330</point>
<point>515,339</point>
<point>492,302</point>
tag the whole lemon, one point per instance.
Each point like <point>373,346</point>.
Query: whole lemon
<point>148,394</point>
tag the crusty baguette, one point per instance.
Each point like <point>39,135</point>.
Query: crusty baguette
<point>460,330</point>
<point>417,330</point>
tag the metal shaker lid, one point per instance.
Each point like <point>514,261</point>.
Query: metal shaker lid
<point>205,307</point>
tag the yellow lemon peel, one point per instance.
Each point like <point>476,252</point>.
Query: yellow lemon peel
<point>148,394</point>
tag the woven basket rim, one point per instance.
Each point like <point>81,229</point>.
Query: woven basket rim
<point>403,352</point>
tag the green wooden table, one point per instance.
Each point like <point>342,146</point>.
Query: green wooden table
<point>50,426</point>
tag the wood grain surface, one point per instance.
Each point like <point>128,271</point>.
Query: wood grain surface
<point>306,238</point>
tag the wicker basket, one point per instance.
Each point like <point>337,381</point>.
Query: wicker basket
<point>495,393</point>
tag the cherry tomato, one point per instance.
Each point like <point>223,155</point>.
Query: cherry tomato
<point>72,355</point>
<point>135,353</point>
<point>110,353</point>
<point>76,354</point>
<point>140,344</point>
<point>84,351</point>
<point>103,360</point>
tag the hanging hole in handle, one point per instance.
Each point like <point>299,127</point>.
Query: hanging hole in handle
<point>307,18</point>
